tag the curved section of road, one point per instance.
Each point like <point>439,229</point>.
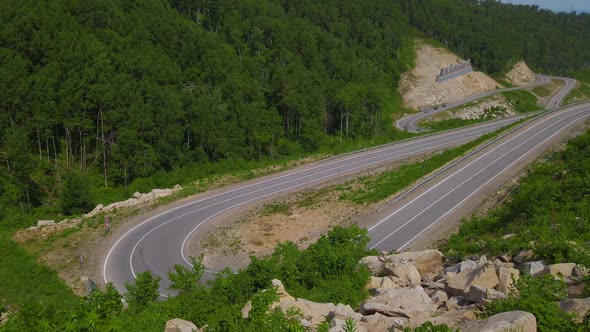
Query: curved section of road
<point>157,243</point>
<point>398,226</point>
<point>410,122</point>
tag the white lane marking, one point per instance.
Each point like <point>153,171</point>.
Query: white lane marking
<point>483,185</point>
<point>472,135</point>
<point>320,164</point>
<point>461,169</point>
<point>471,177</point>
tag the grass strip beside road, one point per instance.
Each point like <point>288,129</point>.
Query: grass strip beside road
<point>379,187</point>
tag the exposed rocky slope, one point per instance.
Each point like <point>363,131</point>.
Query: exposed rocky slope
<point>521,74</point>
<point>419,87</point>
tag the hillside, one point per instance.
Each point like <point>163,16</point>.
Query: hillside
<point>102,99</point>
<point>420,89</point>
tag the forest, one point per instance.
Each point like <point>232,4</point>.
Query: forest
<point>103,95</point>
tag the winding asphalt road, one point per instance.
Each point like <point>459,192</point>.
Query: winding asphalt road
<point>159,242</point>
<point>410,122</point>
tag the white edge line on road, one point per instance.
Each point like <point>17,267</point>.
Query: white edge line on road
<point>450,176</point>
<point>468,179</point>
<point>483,185</point>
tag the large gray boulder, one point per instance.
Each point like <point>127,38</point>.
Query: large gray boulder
<point>562,270</point>
<point>482,277</point>
<point>506,278</point>
<point>374,263</point>
<point>449,318</point>
<point>429,262</point>
<point>507,321</point>
<point>400,302</point>
<point>402,272</point>
<point>578,307</point>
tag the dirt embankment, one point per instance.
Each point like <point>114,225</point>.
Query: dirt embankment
<point>419,87</point>
<point>521,74</point>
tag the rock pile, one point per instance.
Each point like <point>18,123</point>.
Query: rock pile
<point>412,288</point>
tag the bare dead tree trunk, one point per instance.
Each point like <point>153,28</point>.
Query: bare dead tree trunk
<point>104,149</point>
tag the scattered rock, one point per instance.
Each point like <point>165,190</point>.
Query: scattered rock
<point>483,277</point>
<point>374,264</point>
<point>381,282</point>
<point>433,285</point>
<point>505,278</point>
<point>507,236</point>
<point>428,262</point>
<point>312,312</point>
<point>506,321</point>
<point>523,256</point>
<point>450,318</point>
<point>455,302</point>
<point>4,318</point>
<point>179,325</point>
<point>403,272</point>
<point>467,265</point>
<point>246,310</point>
<point>379,322</point>
<point>438,296</point>
<point>42,223</point>
<point>504,258</point>
<point>578,307</point>
<point>533,268</point>
<point>481,295</point>
<point>401,302</point>
<point>344,311</point>
<point>563,270</point>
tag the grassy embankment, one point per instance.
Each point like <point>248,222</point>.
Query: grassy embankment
<point>582,91</point>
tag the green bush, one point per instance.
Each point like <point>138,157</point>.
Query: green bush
<point>538,296</point>
<point>143,292</point>
<point>75,194</point>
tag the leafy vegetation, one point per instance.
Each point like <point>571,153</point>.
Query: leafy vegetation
<point>539,296</point>
<point>327,270</point>
<point>523,101</point>
<point>153,93</point>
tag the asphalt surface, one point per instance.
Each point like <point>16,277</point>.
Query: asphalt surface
<point>399,226</point>
<point>410,122</point>
<point>159,242</point>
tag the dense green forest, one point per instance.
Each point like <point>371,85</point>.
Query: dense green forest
<point>120,90</point>
<point>495,35</point>
<point>110,94</point>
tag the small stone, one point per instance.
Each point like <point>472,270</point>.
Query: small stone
<point>533,268</point>
<point>179,325</point>
<point>523,256</point>
<point>438,296</point>
<point>41,223</point>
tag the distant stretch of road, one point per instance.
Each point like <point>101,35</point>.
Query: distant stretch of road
<point>410,122</point>
<point>401,224</point>
<point>157,243</point>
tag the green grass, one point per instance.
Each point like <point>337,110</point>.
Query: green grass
<point>522,101</point>
<point>581,92</point>
<point>276,208</point>
<point>24,281</point>
<point>542,91</point>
